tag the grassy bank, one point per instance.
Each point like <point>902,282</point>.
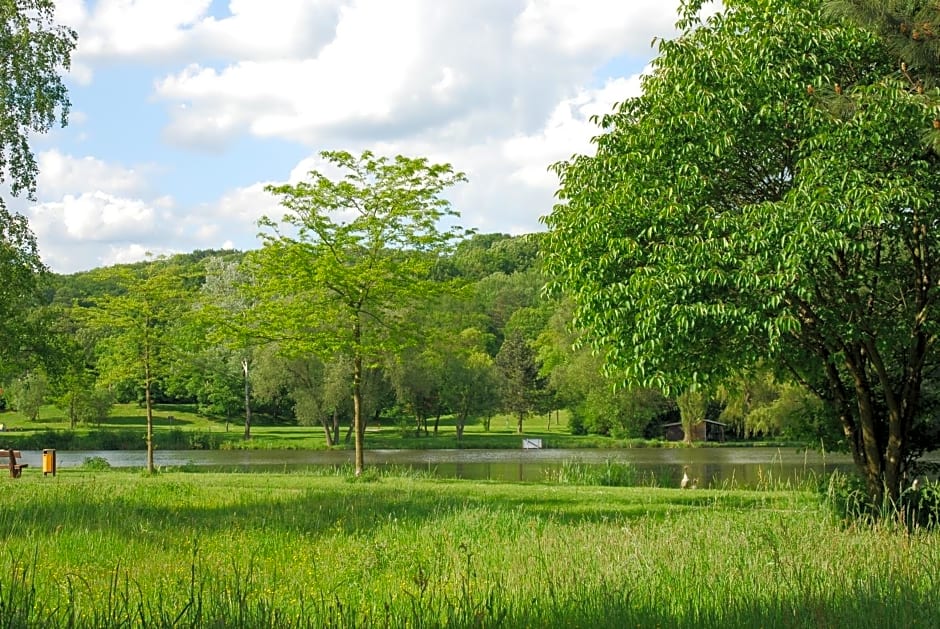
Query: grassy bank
<point>178,427</point>
<point>120,549</point>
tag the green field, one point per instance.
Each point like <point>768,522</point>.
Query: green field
<point>111,549</point>
<point>180,427</point>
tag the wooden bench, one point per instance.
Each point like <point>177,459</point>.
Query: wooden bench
<point>15,468</point>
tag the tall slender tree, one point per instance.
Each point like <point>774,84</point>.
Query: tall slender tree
<point>522,383</point>
<point>349,256</point>
<point>224,310</point>
<point>138,344</point>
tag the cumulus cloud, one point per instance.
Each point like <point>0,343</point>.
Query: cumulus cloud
<point>235,213</point>
<point>125,29</point>
<point>499,88</point>
<point>567,131</point>
<point>394,70</point>
<point>93,229</point>
<point>92,216</point>
<point>577,27</point>
<point>161,31</point>
<point>60,173</point>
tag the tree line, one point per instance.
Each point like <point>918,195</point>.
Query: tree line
<point>212,329</point>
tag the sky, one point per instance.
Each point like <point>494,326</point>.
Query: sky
<point>184,110</point>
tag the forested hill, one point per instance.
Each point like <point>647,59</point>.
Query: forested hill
<point>64,289</point>
<point>222,338</point>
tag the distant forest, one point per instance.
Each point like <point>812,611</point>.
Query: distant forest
<point>490,342</point>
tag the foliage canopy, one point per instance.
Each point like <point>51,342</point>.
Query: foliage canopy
<point>349,257</point>
<point>770,196</point>
<point>32,97</point>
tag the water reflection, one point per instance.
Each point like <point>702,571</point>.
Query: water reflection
<point>712,467</point>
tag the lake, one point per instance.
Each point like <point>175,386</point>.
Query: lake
<point>713,467</point>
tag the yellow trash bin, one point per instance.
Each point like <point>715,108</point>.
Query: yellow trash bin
<point>48,462</point>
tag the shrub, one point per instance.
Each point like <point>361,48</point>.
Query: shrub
<point>607,474</point>
<point>920,505</point>
<point>95,463</point>
<point>846,497</point>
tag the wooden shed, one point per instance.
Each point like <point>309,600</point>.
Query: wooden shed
<point>705,430</point>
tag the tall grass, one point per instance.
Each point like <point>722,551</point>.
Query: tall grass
<point>118,549</point>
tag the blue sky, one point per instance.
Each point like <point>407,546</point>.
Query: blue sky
<point>183,110</point>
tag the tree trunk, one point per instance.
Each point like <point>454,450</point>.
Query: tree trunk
<point>877,438</point>
<point>461,418</point>
<point>149,404</point>
<point>519,423</point>
<point>335,426</point>
<point>327,431</point>
<point>245,365</point>
<point>461,421</point>
<point>359,428</point>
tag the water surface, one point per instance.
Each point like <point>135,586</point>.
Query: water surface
<point>711,467</point>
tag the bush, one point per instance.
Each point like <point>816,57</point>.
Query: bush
<point>846,497</point>
<point>606,475</point>
<point>113,440</point>
<point>920,505</point>
<point>576,423</point>
<point>95,463</point>
<point>27,393</point>
<point>179,439</point>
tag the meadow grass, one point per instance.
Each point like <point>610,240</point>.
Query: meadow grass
<point>178,426</point>
<point>117,548</point>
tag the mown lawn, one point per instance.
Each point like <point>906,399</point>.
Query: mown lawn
<point>116,548</point>
<point>179,426</point>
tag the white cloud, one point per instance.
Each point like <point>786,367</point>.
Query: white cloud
<point>128,254</point>
<point>567,132</point>
<point>237,212</point>
<point>393,70</point>
<point>593,26</point>
<point>499,88</point>
<point>129,28</point>
<point>259,30</point>
<point>61,174</point>
<point>98,229</point>
<point>93,216</point>
<point>161,31</point>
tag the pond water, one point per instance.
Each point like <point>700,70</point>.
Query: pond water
<point>712,467</point>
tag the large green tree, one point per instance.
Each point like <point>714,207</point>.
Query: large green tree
<point>224,313</point>
<point>137,341</point>
<point>769,196</point>
<point>471,381</point>
<point>351,255</point>
<point>523,387</point>
<point>34,51</point>
<point>21,270</point>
